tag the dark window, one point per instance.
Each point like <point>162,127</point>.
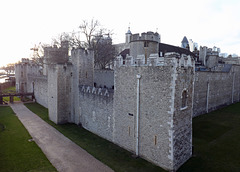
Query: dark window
<point>145,44</point>
<point>184,99</point>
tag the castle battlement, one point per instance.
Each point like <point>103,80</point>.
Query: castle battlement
<point>97,91</point>
<point>81,52</point>
<point>170,59</point>
<point>149,36</point>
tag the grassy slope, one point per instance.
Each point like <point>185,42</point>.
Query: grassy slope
<point>216,138</point>
<point>112,155</point>
<point>16,152</point>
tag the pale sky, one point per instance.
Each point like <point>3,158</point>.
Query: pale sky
<point>25,23</point>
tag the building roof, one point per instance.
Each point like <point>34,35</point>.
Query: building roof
<point>165,48</point>
<point>124,53</point>
<point>129,32</point>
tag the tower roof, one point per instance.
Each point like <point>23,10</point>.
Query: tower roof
<point>129,32</point>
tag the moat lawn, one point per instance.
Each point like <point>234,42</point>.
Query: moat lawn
<point>216,141</point>
<point>112,155</point>
<point>216,138</point>
<point>17,153</point>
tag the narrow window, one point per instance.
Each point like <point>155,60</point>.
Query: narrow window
<point>145,44</point>
<point>184,99</point>
<point>86,74</point>
<point>21,74</point>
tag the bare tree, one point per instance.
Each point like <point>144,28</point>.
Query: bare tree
<point>90,30</point>
<point>9,68</point>
<point>92,35</point>
<point>104,52</point>
<point>98,39</point>
<point>37,56</point>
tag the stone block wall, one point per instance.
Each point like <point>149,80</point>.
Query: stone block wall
<point>165,133</point>
<point>40,89</point>
<point>84,61</point>
<point>139,48</point>
<point>213,90</point>
<point>96,110</point>
<point>104,78</point>
<point>60,93</point>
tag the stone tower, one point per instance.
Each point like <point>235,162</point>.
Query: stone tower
<point>84,60</point>
<point>83,71</point>
<point>23,70</point>
<point>153,108</point>
<point>60,93</point>
<point>146,44</point>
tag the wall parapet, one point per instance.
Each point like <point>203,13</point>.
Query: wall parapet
<point>104,92</point>
<point>170,59</point>
<point>149,36</point>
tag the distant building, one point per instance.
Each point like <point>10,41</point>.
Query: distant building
<point>192,45</point>
<point>185,43</point>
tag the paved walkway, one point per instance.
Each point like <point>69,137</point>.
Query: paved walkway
<point>65,155</point>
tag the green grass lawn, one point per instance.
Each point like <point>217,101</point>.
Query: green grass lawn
<point>10,89</point>
<point>17,154</point>
<point>216,141</point>
<point>112,155</point>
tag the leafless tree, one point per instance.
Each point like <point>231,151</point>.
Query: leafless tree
<point>9,68</point>
<point>90,30</point>
<point>104,52</point>
<point>98,39</point>
<point>92,35</point>
<point>37,56</point>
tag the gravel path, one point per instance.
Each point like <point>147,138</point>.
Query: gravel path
<point>65,155</point>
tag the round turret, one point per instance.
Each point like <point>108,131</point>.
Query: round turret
<point>146,44</point>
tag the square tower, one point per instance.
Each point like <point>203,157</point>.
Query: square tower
<point>153,108</point>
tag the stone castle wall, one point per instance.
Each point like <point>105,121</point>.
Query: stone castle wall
<point>213,90</point>
<point>165,134</point>
<point>29,79</point>
<point>96,110</point>
<point>40,89</point>
<point>60,93</point>
<point>168,97</point>
<point>104,78</point>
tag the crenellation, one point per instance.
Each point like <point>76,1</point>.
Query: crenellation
<point>149,36</point>
<point>97,91</point>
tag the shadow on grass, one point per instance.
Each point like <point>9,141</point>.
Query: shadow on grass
<point>112,155</point>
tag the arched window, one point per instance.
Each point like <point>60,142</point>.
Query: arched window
<point>184,99</point>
